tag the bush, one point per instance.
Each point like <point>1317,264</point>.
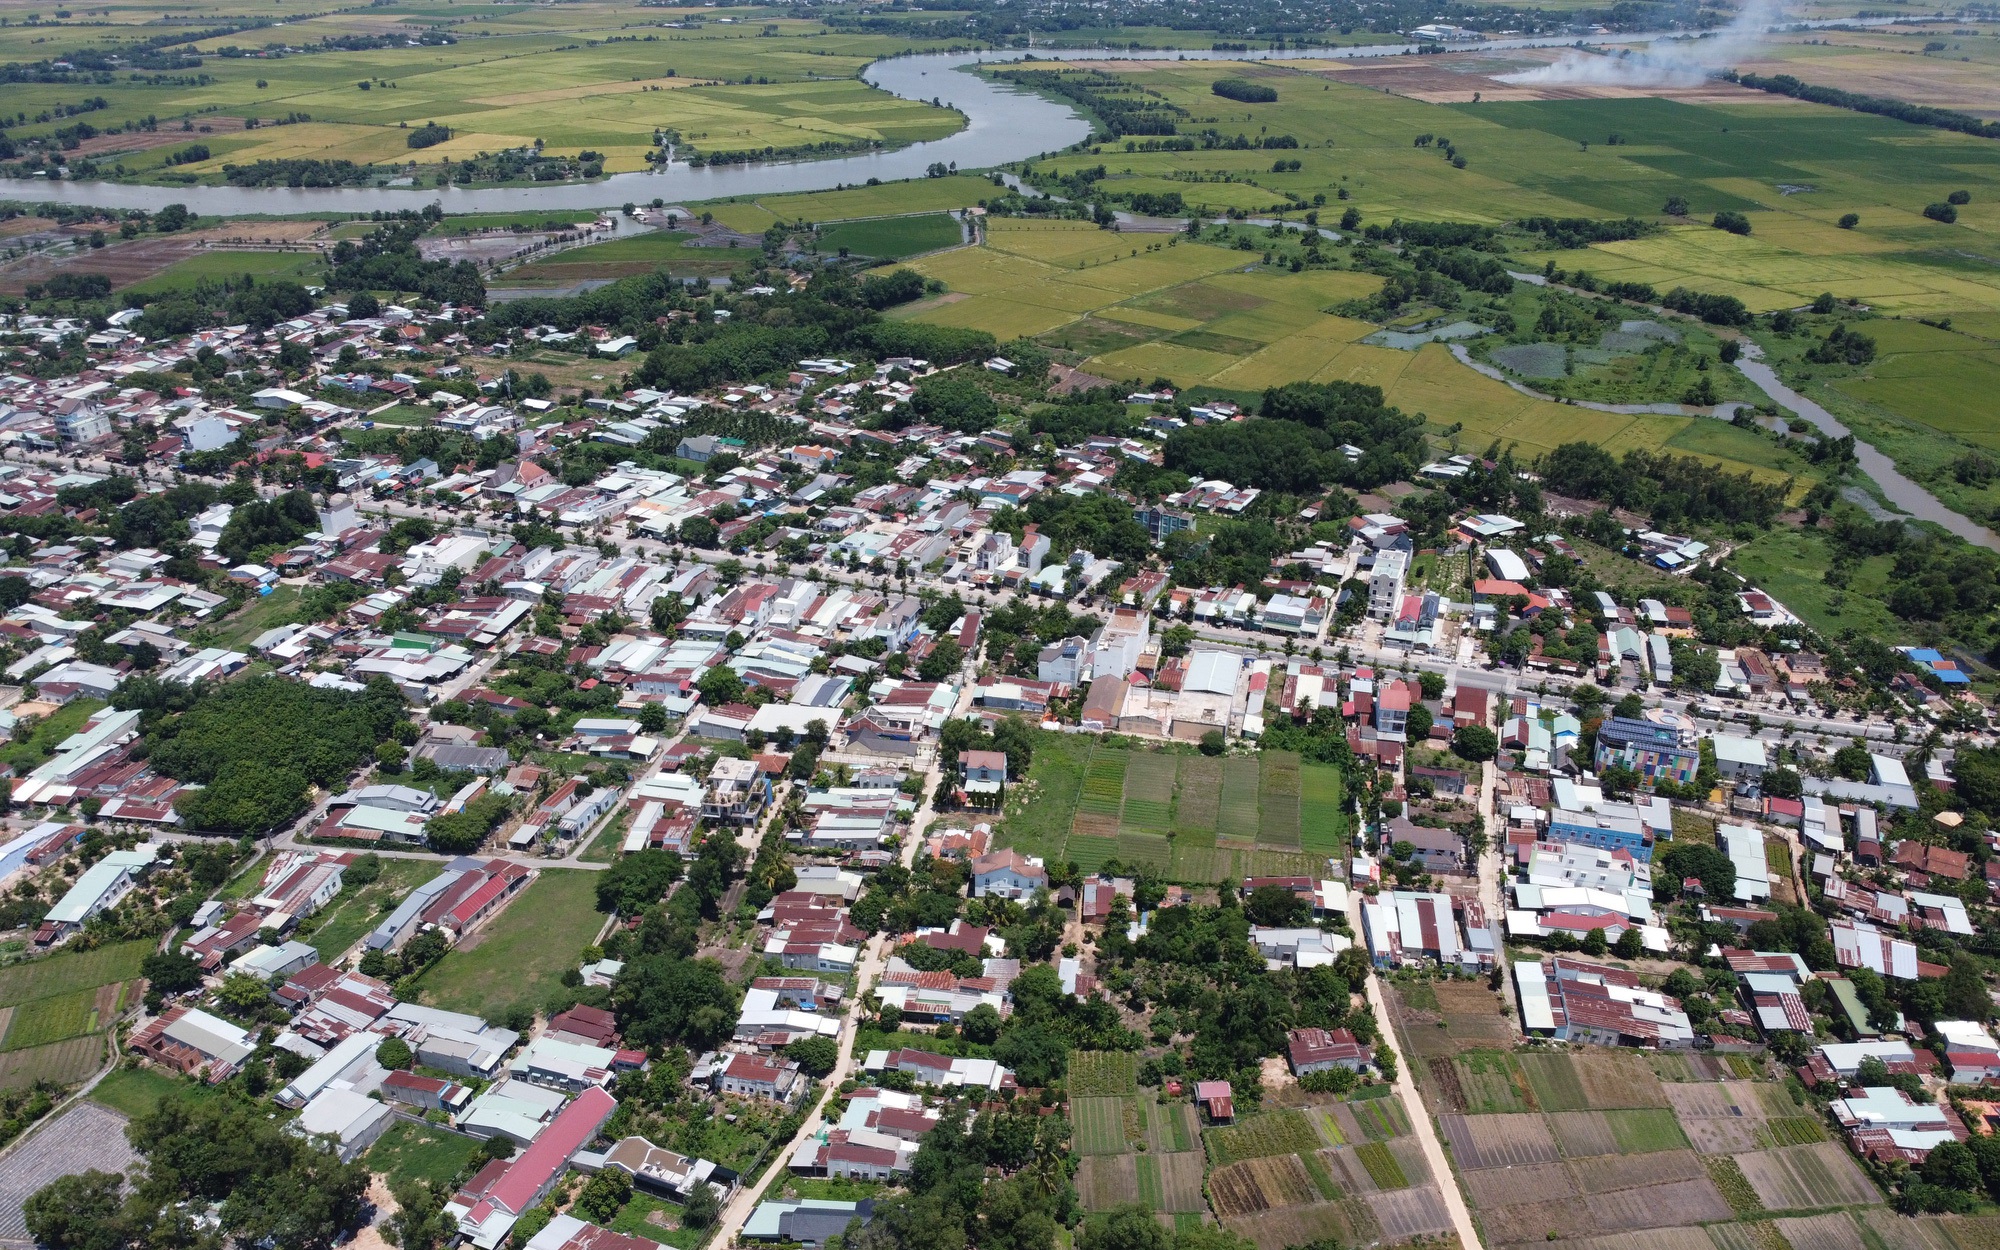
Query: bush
<point>1941,212</point>
<point>1959,197</point>
<point>1849,220</point>
<point>429,135</point>
<point>1734,223</point>
<point>1243,91</point>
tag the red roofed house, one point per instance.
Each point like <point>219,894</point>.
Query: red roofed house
<point>503,1192</point>
<point>588,1026</point>
<point>1216,1098</point>
<point>1322,1050</point>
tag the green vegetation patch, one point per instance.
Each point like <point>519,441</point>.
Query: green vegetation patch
<point>1103,1073</point>
<point>1555,1082</point>
<point>521,955</point>
<point>1493,1082</point>
<point>1268,1133</point>
<point>1240,783</point>
<point>52,1019</point>
<point>893,238</point>
<point>1322,809</point>
<point>136,1091</point>
<point>67,972</point>
<point>1382,1166</point>
<point>408,1151</point>
<point>1646,1130</point>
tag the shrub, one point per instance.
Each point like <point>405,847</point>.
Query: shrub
<point>1734,223</point>
<point>1941,212</point>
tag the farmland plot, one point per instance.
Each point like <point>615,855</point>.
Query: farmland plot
<point>1180,1181</point>
<point>1107,1181</point>
<point>1555,1082</point>
<point>1535,1182</point>
<point>1348,1223</point>
<point>1646,1239</point>
<point>1272,1133</point>
<point>1410,1213</point>
<point>1171,1127</point>
<point>1492,1082</point>
<point>1583,1133</point>
<point>1240,784</point>
<point>1100,1125</point>
<point>1719,1117</point>
<point>1661,1205</point>
<point>83,1137</point>
<point>1606,1173</point>
<point>1495,1141</point>
<point>1149,793</point>
<point>1260,1185</point>
<point>1539,1221</point>
<point>1806,1177</point>
<point>1103,1073</point>
<point>1097,810</point>
<point>1822,1232</point>
<point>1642,1131</point>
<point>1198,801</point>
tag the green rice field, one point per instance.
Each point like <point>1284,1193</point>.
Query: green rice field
<point>892,238</point>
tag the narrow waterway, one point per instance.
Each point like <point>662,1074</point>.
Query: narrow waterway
<point>1896,488</point>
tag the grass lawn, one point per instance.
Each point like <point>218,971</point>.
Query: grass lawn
<point>409,1151</point>
<point>23,757</point>
<point>660,1220</point>
<point>606,845</point>
<point>892,238</point>
<point>353,913</point>
<point>520,956</point>
<point>217,266</point>
<point>67,972</point>
<point>136,1091</point>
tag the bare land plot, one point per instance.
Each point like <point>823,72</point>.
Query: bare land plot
<point>1180,1181</point>
<point>1583,1133</point>
<point>1641,1239</point>
<point>1409,1213</point>
<point>1822,1232</point>
<point>1539,1221</point>
<point>1536,1182</point>
<point>1660,1206</point>
<point>1804,1178</point>
<point>1107,1181</point>
<point>1349,1222</point>
<point>1494,1141</point>
<point>1612,1172</point>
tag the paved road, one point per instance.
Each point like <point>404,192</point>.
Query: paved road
<point>1413,1104</point>
<point>874,958</point>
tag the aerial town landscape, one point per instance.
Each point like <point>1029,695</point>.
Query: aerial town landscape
<point>1018,626</point>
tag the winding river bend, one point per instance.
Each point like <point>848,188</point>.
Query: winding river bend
<point>1003,124</point>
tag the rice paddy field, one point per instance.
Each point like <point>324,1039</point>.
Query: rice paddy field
<point>1183,816</point>
<point>1216,318</point>
<point>1593,1147</point>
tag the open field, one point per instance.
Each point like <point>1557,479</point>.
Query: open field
<point>135,1091</point>
<point>1799,1178</point>
<point>1166,809</point>
<point>602,76</point>
<point>407,1150</point>
<point>520,955</point>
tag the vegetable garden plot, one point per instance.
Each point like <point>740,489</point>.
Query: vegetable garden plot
<point>1260,1185</point>
<point>1583,1133</point>
<point>1271,1133</point>
<point>1347,1223</point>
<point>1535,1182</point>
<point>1107,1181</point>
<point>1538,1221</point>
<point>1100,1125</point>
<point>1410,1213</point>
<point>1198,800</point>
<point>1606,1173</point>
<point>1103,1073</point>
<point>1240,783</point>
<point>1494,1141</point>
<point>1555,1082</point>
<point>1807,1177</point>
<point>1180,1181</point>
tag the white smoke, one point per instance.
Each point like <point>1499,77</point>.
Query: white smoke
<point>1672,62</point>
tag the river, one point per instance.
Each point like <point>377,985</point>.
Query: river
<point>1003,124</point>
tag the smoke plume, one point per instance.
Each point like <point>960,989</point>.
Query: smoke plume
<point>1665,62</point>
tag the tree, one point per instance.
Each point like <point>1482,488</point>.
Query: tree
<point>943,662</point>
<point>1037,1053</point>
<point>981,1025</point>
<point>1431,683</point>
<point>394,1054</point>
<point>1417,726</point>
<point>1629,944</point>
<point>702,1208</point>
<point>244,993</point>
<point>1853,762</point>
<point>661,999</point>
<point>720,685</point>
<point>637,881</point>
<point>1681,860</point>
<point>604,1195</point>
<point>1475,742</point>
<point>1212,742</point>
<point>420,1222</point>
<point>1276,905</point>
<point>817,1056</point>
<point>1129,1227</point>
<point>171,972</point>
<point>79,1212</point>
